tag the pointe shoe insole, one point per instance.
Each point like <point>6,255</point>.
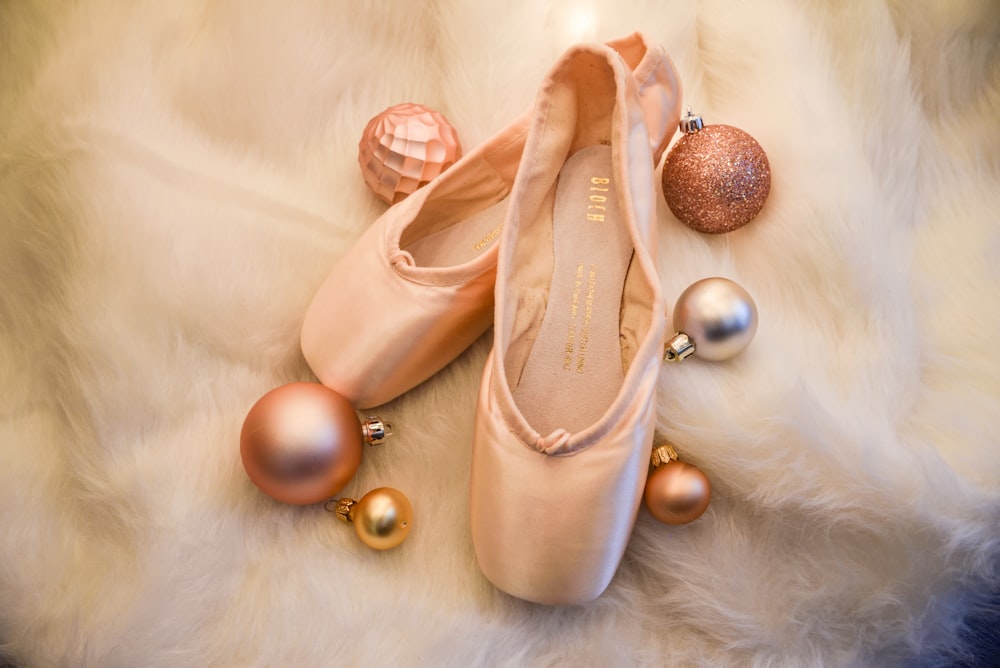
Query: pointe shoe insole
<point>574,370</point>
<point>462,242</point>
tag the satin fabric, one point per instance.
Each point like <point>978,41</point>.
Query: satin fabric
<point>552,513</point>
<point>432,314</point>
<point>658,86</point>
<point>552,529</point>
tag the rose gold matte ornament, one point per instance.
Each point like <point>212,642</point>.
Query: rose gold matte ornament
<point>405,147</point>
<point>301,442</point>
<point>716,178</point>
<point>676,492</point>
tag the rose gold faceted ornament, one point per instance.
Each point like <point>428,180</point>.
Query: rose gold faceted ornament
<point>405,147</point>
<point>301,442</point>
<point>716,178</point>
<point>676,492</point>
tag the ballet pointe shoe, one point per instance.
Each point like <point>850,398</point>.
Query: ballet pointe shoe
<point>566,409</point>
<point>416,289</point>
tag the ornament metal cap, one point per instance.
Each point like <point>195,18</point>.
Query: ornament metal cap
<point>678,348</point>
<point>662,454</point>
<point>691,123</point>
<point>374,431</point>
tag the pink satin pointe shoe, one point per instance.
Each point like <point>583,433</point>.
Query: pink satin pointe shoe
<point>566,410</point>
<point>429,262</point>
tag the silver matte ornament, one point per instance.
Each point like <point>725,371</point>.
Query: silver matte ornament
<point>715,319</point>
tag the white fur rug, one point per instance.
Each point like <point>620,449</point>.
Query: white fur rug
<point>175,180</point>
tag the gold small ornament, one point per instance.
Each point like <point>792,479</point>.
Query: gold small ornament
<point>382,518</point>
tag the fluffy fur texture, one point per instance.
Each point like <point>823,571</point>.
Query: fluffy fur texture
<point>175,180</point>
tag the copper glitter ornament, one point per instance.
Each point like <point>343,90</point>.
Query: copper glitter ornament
<point>404,148</point>
<point>716,177</point>
<point>301,442</point>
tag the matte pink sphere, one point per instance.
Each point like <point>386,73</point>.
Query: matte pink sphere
<point>301,443</point>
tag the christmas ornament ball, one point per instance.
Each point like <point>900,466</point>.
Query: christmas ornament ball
<point>716,178</point>
<point>301,443</point>
<point>404,148</point>
<point>677,493</point>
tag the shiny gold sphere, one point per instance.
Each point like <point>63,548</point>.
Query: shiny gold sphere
<point>301,443</point>
<point>677,493</point>
<point>382,518</point>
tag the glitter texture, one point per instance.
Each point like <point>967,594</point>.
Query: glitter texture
<point>717,179</point>
<point>405,147</point>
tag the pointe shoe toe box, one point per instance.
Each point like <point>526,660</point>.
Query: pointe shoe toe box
<point>378,326</point>
<point>552,528</point>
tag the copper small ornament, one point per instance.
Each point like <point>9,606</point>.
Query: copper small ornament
<point>405,147</point>
<point>716,178</point>
<point>676,492</point>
